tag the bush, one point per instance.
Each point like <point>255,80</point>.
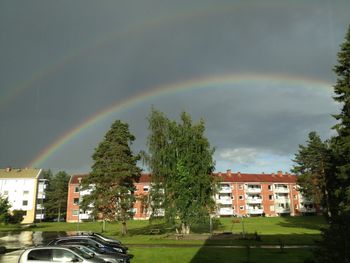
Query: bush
<point>17,216</point>
<point>5,218</point>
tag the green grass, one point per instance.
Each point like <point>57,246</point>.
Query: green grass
<point>273,230</point>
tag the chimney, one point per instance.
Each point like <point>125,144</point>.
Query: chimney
<point>228,172</point>
<point>239,174</point>
<point>273,174</point>
<point>219,173</point>
<point>279,173</point>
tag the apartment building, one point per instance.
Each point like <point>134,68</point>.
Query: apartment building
<point>260,195</point>
<point>25,190</point>
<point>238,194</point>
<point>75,194</point>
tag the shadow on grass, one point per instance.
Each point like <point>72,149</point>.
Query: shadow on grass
<point>307,222</point>
<point>227,247</point>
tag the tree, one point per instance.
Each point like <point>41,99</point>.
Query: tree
<point>4,210</point>
<point>335,244</point>
<point>158,160</point>
<point>181,159</point>
<point>113,174</point>
<point>55,203</point>
<point>312,165</point>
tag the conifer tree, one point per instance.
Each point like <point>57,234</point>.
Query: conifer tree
<point>56,192</point>
<point>312,166</point>
<point>113,175</point>
<point>335,244</point>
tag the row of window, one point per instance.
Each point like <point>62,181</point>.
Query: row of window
<point>271,197</point>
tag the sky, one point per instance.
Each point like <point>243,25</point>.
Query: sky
<point>258,72</point>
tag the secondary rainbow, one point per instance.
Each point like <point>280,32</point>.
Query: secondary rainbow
<point>216,81</point>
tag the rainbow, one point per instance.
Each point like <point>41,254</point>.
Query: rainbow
<point>215,81</point>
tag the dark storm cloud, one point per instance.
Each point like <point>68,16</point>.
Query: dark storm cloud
<point>83,56</point>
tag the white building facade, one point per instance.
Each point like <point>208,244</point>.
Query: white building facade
<point>25,190</point>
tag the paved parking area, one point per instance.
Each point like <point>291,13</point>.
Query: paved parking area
<point>11,257</point>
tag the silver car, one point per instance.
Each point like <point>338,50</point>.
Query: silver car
<point>107,257</point>
<point>49,254</point>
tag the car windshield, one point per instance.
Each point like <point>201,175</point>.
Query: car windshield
<point>81,252</point>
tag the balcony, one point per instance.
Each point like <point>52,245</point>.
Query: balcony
<point>225,189</point>
<point>224,201</point>
<point>282,200</point>
<point>280,189</point>
<point>253,190</point>
<point>254,200</point>
<point>41,195</point>
<point>283,210</point>
<point>307,210</point>
<point>225,211</point>
<point>253,211</point>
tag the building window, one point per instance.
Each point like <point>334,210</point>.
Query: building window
<point>270,197</point>
<point>240,187</point>
<point>241,207</point>
<point>234,207</point>
<point>76,189</point>
<point>25,192</point>
<point>6,192</point>
<point>75,212</point>
<point>272,208</point>
<point>76,201</point>
<point>145,188</point>
<point>295,197</point>
<point>241,197</point>
<point>25,202</point>
<point>269,187</point>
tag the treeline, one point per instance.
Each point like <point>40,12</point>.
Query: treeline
<point>324,169</point>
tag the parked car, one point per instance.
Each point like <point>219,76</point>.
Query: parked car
<point>98,236</point>
<point>49,254</point>
<point>104,246</point>
<point>107,257</point>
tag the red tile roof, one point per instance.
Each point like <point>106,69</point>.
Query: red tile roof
<point>225,177</point>
<point>145,178</point>
<point>74,178</point>
<point>272,178</point>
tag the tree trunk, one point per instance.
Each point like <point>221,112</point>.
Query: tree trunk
<point>59,213</point>
<point>124,228</point>
<point>185,229</point>
<point>103,225</point>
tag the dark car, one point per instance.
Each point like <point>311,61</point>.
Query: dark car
<point>104,246</point>
<point>101,237</point>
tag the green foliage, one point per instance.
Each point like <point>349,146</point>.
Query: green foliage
<point>180,158</point>
<point>313,166</point>
<point>113,174</point>
<point>16,217</point>
<point>55,202</point>
<point>335,245</point>
<point>341,142</point>
<point>4,210</point>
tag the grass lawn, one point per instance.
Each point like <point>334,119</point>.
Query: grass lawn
<point>273,230</point>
